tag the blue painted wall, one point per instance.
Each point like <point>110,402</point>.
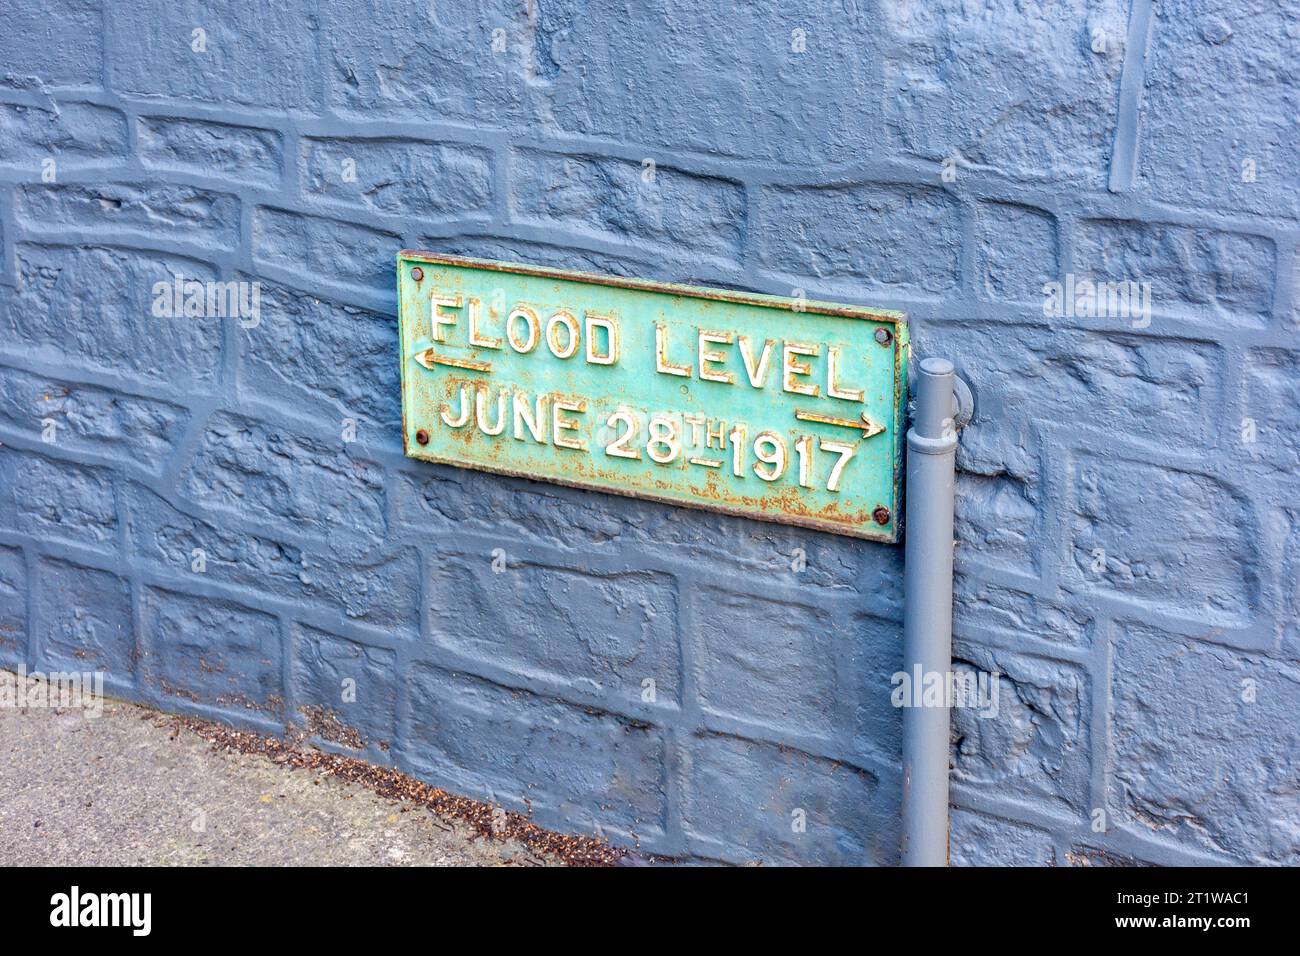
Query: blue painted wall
<point>1129,521</point>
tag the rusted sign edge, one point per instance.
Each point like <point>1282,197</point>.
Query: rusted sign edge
<point>901,346</point>
<point>668,288</point>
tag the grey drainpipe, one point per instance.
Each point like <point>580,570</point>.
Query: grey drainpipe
<point>943,405</point>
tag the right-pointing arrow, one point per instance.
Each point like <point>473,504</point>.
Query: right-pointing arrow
<point>864,424</point>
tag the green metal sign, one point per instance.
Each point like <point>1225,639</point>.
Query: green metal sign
<point>767,407</point>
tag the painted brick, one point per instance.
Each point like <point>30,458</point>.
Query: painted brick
<point>613,200</point>
<point>868,657</point>
<point>60,43</point>
<point>324,249</point>
<point>793,148</point>
<point>981,607</point>
<point>978,840</point>
<point>448,500</point>
<point>13,607</point>
<point>439,65</point>
<point>399,177</point>
<point>600,633</point>
<point>46,316</point>
<point>290,354</point>
<point>1147,389</point>
<point>83,620</point>
<point>1186,714</point>
<point>210,651</point>
<point>252,55</point>
<point>50,499</point>
<point>378,589</point>
<point>89,419</point>
<point>444,500</point>
<point>1216,275</point>
<point>886,236</point>
<point>1289,318</point>
<point>727,549</point>
<point>759,80</point>
<point>242,153</point>
<point>1019,251</point>
<point>747,802</point>
<point>1228,60</point>
<point>1266,431</point>
<point>1002,523</point>
<point>64,132</point>
<point>784,555</point>
<point>1289,639</point>
<point>1082,854</point>
<point>1030,739</point>
<point>363,711</point>
<point>559,257</point>
<point>955,86</point>
<point>514,746</point>
<point>267,472</point>
<point>779,670</point>
<point>179,213</point>
<point>1171,540</point>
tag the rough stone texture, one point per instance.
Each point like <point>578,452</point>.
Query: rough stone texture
<point>782,677</point>
<point>83,621</point>
<point>247,54</point>
<point>629,202</point>
<point>881,235</point>
<point>528,752</point>
<point>67,132</point>
<point>1289,643</point>
<point>225,522</point>
<point>48,498</point>
<point>398,176</point>
<point>1238,64</point>
<point>13,606</point>
<point>754,802</point>
<point>284,357</point>
<point>211,651</point>
<point>1149,389</point>
<point>440,63</point>
<point>606,633</point>
<point>332,250</point>
<point>89,420</point>
<point>986,841</point>
<point>1186,716</point>
<point>1030,739</point>
<point>1224,276</point>
<point>52,44</point>
<point>1166,537</point>
<point>346,691</point>
<point>377,589</point>
<point>62,293</point>
<point>241,153</point>
<point>263,470</point>
<point>158,213</point>
<point>988,609</point>
<point>955,76</point>
<point>1010,235</point>
<point>1266,430</point>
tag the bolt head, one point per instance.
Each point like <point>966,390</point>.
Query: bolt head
<point>422,437</point>
<point>884,336</point>
<point>880,515</point>
<point>417,273</point>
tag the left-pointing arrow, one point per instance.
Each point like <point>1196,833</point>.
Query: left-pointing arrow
<point>429,358</point>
